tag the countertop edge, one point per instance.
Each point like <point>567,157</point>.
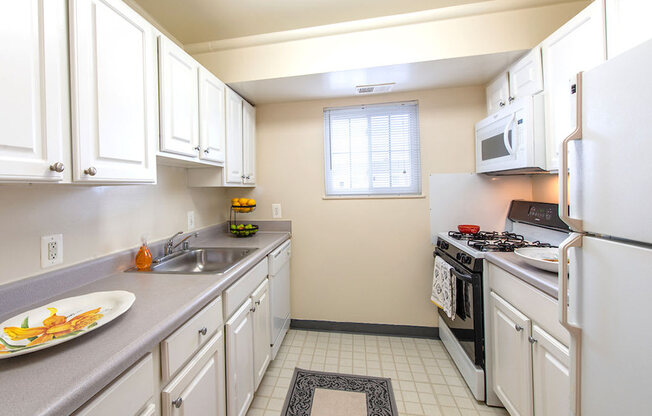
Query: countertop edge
<point>544,281</point>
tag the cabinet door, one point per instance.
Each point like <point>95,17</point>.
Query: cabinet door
<point>551,375</point>
<point>512,357</point>
<point>577,46</point>
<point>526,75</point>
<point>249,142</point>
<point>628,24</point>
<point>34,84</point>
<point>113,90</point>
<point>212,117</point>
<point>199,388</point>
<point>179,102</point>
<point>233,163</point>
<point>262,336</point>
<point>240,360</point>
<point>497,93</point>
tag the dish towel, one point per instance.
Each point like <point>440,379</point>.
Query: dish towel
<point>444,287</point>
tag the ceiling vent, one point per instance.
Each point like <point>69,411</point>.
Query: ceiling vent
<point>374,88</point>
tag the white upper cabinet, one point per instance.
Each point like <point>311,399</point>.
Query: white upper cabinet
<point>249,143</point>
<point>628,24</point>
<point>234,138</point>
<point>497,93</point>
<point>33,90</point>
<point>212,117</point>
<point>577,46</point>
<point>526,76</point>
<point>179,103</point>
<point>113,57</point>
<point>113,90</point>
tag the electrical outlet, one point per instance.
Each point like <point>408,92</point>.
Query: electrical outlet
<point>276,211</point>
<point>51,250</point>
<point>191,220</point>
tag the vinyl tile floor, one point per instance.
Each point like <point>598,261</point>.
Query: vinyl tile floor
<point>424,378</point>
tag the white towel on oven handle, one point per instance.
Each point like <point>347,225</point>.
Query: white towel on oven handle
<point>444,287</point>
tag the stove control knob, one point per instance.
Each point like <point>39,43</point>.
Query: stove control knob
<point>444,245</point>
<point>468,260</point>
<point>458,256</point>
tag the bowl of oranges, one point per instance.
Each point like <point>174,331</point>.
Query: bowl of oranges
<point>243,204</point>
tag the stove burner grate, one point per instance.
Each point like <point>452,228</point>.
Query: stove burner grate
<point>495,241</point>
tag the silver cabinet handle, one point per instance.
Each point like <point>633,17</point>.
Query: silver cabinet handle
<point>207,150</point>
<point>511,99</point>
<point>257,302</point>
<point>243,176</point>
<point>252,310</point>
<point>518,327</point>
<point>248,177</point>
<point>197,148</point>
<point>178,402</point>
<point>575,224</point>
<point>57,167</point>
<point>203,331</point>
<point>90,171</point>
<point>501,103</point>
<point>532,340</point>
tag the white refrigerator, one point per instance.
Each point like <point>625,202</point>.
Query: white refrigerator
<point>606,287</point>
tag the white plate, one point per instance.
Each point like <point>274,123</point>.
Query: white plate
<point>544,258</point>
<point>61,321</point>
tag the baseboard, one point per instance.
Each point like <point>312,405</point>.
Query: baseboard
<point>371,329</point>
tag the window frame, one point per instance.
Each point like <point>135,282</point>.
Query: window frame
<point>415,191</point>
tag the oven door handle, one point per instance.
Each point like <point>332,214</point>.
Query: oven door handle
<point>463,277</point>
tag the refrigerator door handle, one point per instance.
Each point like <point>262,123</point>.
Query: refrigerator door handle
<point>575,224</point>
<point>574,240</point>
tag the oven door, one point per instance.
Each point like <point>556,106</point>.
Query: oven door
<point>467,327</point>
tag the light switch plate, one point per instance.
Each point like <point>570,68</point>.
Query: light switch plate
<point>191,220</point>
<point>276,211</point>
<point>51,250</point>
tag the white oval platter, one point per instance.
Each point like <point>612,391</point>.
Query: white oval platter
<point>544,258</point>
<point>60,321</point>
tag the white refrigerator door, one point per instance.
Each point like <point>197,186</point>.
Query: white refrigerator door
<point>610,293</point>
<point>611,167</point>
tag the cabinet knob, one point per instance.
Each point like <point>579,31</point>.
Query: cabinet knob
<point>248,177</point>
<point>57,167</point>
<point>518,327</point>
<point>252,310</point>
<point>511,99</point>
<point>90,171</point>
<point>203,331</point>
<point>243,176</point>
<point>178,402</point>
<point>501,103</point>
<point>197,148</point>
<point>207,150</point>
<point>532,340</point>
<point>257,302</point>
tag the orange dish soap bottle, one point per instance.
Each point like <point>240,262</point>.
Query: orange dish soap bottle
<point>144,257</point>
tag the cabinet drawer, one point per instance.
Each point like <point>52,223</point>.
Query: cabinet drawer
<point>185,341</point>
<point>126,395</point>
<point>199,388</point>
<point>235,295</point>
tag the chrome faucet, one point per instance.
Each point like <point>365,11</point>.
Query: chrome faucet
<point>169,245</point>
<point>186,244</point>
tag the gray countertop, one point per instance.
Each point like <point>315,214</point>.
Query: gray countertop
<point>545,281</point>
<point>58,380</point>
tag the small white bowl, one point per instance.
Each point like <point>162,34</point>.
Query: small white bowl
<point>544,258</point>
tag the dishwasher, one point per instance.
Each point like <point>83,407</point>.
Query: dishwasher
<point>279,294</point>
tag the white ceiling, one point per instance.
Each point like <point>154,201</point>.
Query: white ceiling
<point>193,21</point>
<point>475,70</point>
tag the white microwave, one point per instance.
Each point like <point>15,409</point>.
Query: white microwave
<point>512,140</point>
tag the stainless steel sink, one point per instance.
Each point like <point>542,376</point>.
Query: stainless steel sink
<point>201,260</point>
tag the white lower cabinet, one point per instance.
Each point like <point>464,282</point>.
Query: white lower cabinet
<point>240,360</point>
<point>530,367</point>
<point>262,336</point>
<point>199,387</point>
<point>511,357</point>
<point>550,374</point>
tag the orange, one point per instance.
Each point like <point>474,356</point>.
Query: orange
<point>243,201</point>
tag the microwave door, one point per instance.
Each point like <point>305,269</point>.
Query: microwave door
<point>495,144</point>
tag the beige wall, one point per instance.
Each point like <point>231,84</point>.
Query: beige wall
<point>359,260</point>
<point>97,220</point>
<point>545,188</point>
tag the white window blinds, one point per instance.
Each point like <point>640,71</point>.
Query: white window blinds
<point>372,150</point>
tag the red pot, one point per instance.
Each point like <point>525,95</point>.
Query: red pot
<point>468,229</point>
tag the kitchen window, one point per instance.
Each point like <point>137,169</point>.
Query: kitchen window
<point>372,150</point>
